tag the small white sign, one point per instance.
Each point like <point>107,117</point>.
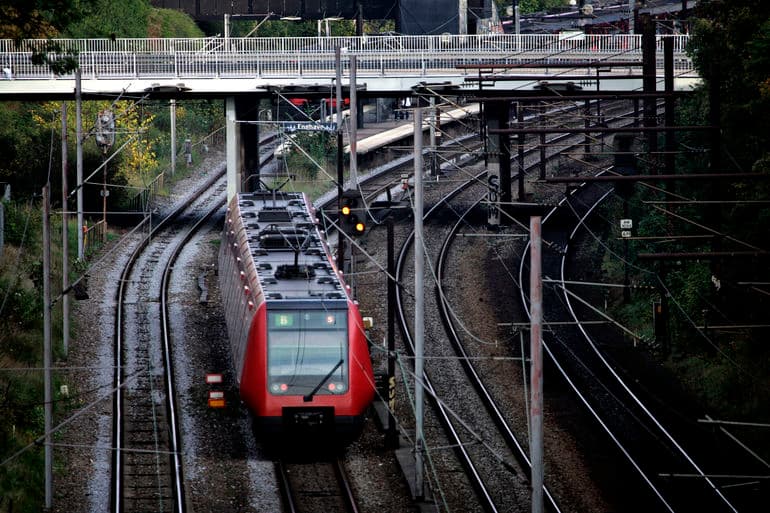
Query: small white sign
<point>626,224</point>
<point>625,234</point>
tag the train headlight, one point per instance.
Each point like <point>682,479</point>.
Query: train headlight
<point>336,388</point>
<point>279,388</point>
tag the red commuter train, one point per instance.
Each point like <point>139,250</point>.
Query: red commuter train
<point>298,343</point>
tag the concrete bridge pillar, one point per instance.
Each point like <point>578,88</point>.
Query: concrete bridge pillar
<point>497,114</point>
<point>242,145</point>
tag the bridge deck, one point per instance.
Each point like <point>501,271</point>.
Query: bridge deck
<point>385,64</point>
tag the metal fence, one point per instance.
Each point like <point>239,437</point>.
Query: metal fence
<point>300,56</point>
<point>93,237</point>
<point>142,201</point>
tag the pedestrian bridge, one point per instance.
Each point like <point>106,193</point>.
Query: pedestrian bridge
<point>219,67</point>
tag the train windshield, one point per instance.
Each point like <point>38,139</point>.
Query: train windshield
<point>307,352</point>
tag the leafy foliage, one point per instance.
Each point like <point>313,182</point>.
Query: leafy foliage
<point>23,19</point>
<point>42,19</point>
<point>530,6</point>
<point>320,146</point>
<point>731,48</point>
<point>29,133</point>
<point>24,147</point>
<point>139,156</point>
<point>109,19</point>
<point>132,18</point>
<point>171,23</point>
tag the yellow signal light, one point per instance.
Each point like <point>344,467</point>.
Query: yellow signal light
<point>360,227</point>
<point>346,210</point>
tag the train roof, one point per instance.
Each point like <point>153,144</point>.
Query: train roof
<point>289,252</point>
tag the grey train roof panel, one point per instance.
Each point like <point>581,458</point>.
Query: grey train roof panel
<point>289,253</point>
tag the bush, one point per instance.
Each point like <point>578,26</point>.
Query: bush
<point>22,223</point>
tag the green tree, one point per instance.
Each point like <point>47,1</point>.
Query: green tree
<point>731,47</point>
<point>22,20</point>
<point>530,6</point>
<point>132,18</point>
<point>24,146</point>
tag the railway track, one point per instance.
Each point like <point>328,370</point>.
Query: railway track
<point>308,487</point>
<point>661,442</point>
<point>149,478</point>
<point>716,461</point>
<point>513,459</point>
<point>645,440</point>
<point>147,470</point>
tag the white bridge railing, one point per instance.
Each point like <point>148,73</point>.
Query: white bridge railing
<point>314,56</point>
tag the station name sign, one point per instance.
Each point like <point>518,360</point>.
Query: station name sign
<point>309,126</point>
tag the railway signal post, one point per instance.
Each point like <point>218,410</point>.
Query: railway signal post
<point>352,212</point>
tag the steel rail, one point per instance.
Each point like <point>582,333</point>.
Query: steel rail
<point>167,354</point>
<point>486,397</point>
<point>476,480</point>
<point>292,500</point>
<point>574,387</point>
<point>664,432</point>
<point>119,395</point>
<point>571,382</point>
<point>491,405</point>
<point>444,416</point>
<point>284,487</point>
<point>344,483</point>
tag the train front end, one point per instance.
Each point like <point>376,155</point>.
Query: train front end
<point>307,370</point>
